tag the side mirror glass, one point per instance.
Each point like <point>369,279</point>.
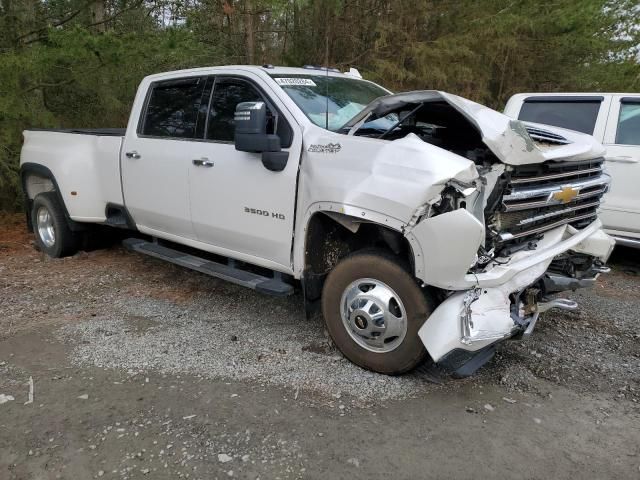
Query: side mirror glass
<point>251,135</point>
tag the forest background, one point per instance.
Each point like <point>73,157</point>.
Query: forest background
<point>77,63</point>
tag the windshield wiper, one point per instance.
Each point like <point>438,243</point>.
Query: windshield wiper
<point>369,130</point>
<point>400,120</point>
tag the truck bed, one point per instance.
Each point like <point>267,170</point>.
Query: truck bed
<point>85,164</point>
<point>101,132</point>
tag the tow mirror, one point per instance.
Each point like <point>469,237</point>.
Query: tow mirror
<point>251,135</point>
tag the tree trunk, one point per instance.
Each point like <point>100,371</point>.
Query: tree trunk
<point>249,33</point>
<point>97,11</point>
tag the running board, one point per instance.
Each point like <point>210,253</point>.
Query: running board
<point>270,286</point>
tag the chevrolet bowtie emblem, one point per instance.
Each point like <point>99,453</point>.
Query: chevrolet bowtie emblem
<point>566,194</point>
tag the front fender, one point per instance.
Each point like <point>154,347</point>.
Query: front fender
<point>445,247</point>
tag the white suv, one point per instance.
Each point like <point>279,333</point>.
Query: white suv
<point>614,120</point>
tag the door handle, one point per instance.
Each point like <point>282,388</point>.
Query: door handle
<point>202,162</point>
<point>622,159</point>
<point>133,154</point>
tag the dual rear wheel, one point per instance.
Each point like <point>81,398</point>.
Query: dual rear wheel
<point>52,233</point>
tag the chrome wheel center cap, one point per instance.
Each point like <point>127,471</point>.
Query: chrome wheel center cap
<point>360,321</point>
<point>373,315</point>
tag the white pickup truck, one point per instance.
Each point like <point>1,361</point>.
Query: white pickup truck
<point>422,223</point>
<point>614,120</point>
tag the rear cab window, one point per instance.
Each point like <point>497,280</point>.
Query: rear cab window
<point>628,128</point>
<point>172,108</point>
<point>574,113</point>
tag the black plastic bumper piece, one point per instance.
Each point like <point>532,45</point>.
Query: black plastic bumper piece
<point>270,286</point>
<point>463,363</point>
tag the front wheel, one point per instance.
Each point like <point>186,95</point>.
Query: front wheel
<point>52,232</point>
<point>373,310</point>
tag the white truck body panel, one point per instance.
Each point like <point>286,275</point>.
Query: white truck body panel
<point>85,164</point>
<point>354,179</point>
<point>621,210</point>
<point>621,207</point>
<point>392,178</point>
<point>156,185</point>
<point>201,204</point>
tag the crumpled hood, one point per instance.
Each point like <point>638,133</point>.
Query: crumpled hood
<point>507,138</point>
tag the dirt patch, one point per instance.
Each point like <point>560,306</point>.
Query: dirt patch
<point>14,238</point>
<point>319,348</point>
<point>618,284</point>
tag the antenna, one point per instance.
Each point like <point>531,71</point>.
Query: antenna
<point>326,59</point>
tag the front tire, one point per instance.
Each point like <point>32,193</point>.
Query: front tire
<point>52,232</point>
<point>373,309</point>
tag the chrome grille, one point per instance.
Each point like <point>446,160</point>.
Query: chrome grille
<point>538,198</point>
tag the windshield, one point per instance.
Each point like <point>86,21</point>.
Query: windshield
<point>345,97</point>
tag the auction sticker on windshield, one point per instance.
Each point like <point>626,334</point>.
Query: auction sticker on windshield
<point>303,82</point>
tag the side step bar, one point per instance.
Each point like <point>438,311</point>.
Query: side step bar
<point>270,286</point>
<point>627,241</point>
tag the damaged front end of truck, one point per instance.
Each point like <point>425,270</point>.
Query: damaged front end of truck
<point>519,224</point>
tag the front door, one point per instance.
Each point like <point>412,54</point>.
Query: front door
<point>157,157</point>
<point>238,206</point>
<point>621,208</point>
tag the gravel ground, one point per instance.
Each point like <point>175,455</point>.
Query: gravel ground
<point>252,338</point>
<point>138,313</point>
<point>134,332</point>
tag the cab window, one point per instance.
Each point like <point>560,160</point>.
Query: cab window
<point>227,94</point>
<point>628,132</point>
<point>172,108</point>
<point>574,115</point>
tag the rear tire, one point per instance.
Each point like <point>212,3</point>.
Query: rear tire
<point>373,309</point>
<point>50,227</point>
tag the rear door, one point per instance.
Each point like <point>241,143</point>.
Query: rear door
<point>157,156</point>
<point>621,210</point>
<point>238,207</point>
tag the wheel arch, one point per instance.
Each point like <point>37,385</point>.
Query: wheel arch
<point>331,236</point>
<point>36,178</point>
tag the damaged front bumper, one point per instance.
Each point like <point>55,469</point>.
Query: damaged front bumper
<point>558,282</point>
<point>460,232</point>
<point>488,307</point>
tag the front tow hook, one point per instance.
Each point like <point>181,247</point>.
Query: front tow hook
<point>600,269</point>
<point>561,303</point>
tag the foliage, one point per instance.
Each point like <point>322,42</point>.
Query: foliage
<point>77,63</point>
